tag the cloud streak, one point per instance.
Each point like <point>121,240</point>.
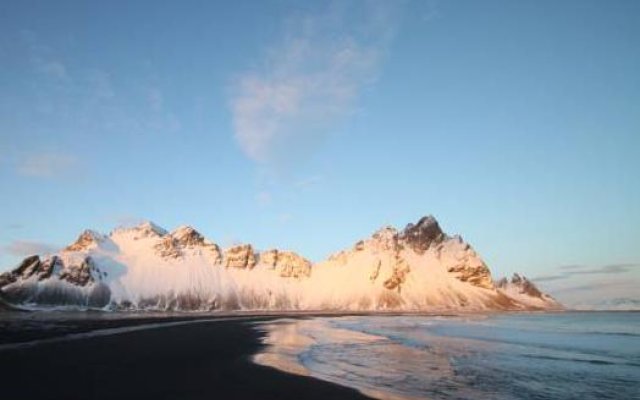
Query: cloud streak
<point>592,286</point>
<point>22,248</point>
<point>311,80</point>
<point>570,271</point>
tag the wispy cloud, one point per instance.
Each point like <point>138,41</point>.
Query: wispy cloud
<point>22,248</point>
<point>46,164</point>
<point>87,100</point>
<point>584,285</point>
<point>569,271</point>
<point>311,80</point>
<point>42,58</point>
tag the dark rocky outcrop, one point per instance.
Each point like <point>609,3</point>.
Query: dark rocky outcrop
<point>31,266</point>
<point>398,276</point>
<point>476,275</point>
<point>25,269</point>
<point>186,237</point>
<point>168,247</point>
<point>57,284</point>
<point>81,274</point>
<point>524,285</point>
<point>422,235</point>
<point>74,284</point>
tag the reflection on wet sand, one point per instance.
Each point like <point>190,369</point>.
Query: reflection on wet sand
<point>373,364</point>
<point>590,356</point>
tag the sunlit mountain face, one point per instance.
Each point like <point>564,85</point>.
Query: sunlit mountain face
<point>146,267</point>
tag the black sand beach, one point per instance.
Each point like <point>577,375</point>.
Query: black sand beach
<point>200,360</point>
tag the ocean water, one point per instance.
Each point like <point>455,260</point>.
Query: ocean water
<point>581,355</point>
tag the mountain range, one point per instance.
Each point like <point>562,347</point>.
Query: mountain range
<point>418,268</point>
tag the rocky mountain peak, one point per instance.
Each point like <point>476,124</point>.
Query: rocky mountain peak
<point>385,238</point>
<point>421,235</point>
<point>288,263</point>
<point>240,256</point>
<point>524,285</point>
<point>87,239</point>
<point>144,229</point>
<point>28,267</point>
<point>151,228</point>
<point>419,267</point>
<point>188,236</point>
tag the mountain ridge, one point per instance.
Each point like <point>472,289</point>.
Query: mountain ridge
<point>417,268</point>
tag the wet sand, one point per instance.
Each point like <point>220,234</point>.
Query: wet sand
<point>206,359</point>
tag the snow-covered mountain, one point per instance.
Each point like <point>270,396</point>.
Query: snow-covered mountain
<point>146,267</point>
<point>525,292</point>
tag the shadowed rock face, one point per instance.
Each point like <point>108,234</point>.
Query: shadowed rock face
<point>29,267</point>
<point>48,266</point>
<point>79,275</point>
<point>9,277</point>
<point>423,234</point>
<point>73,284</point>
<point>5,279</point>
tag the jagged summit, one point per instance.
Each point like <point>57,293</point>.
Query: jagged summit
<point>188,236</point>
<point>87,239</point>
<point>143,229</point>
<point>523,289</point>
<point>146,267</point>
<point>423,234</point>
<point>522,283</point>
<point>186,240</point>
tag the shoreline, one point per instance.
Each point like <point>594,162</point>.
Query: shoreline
<point>32,326</point>
<point>194,358</point>
<point>29,327</point>
<point>247,355</point>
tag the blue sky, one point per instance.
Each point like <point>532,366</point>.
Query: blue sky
<point>307,125</point>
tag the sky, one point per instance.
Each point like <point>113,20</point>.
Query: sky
<point>309,125</point>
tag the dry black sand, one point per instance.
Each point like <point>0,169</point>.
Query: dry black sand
<point>202,360</point>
